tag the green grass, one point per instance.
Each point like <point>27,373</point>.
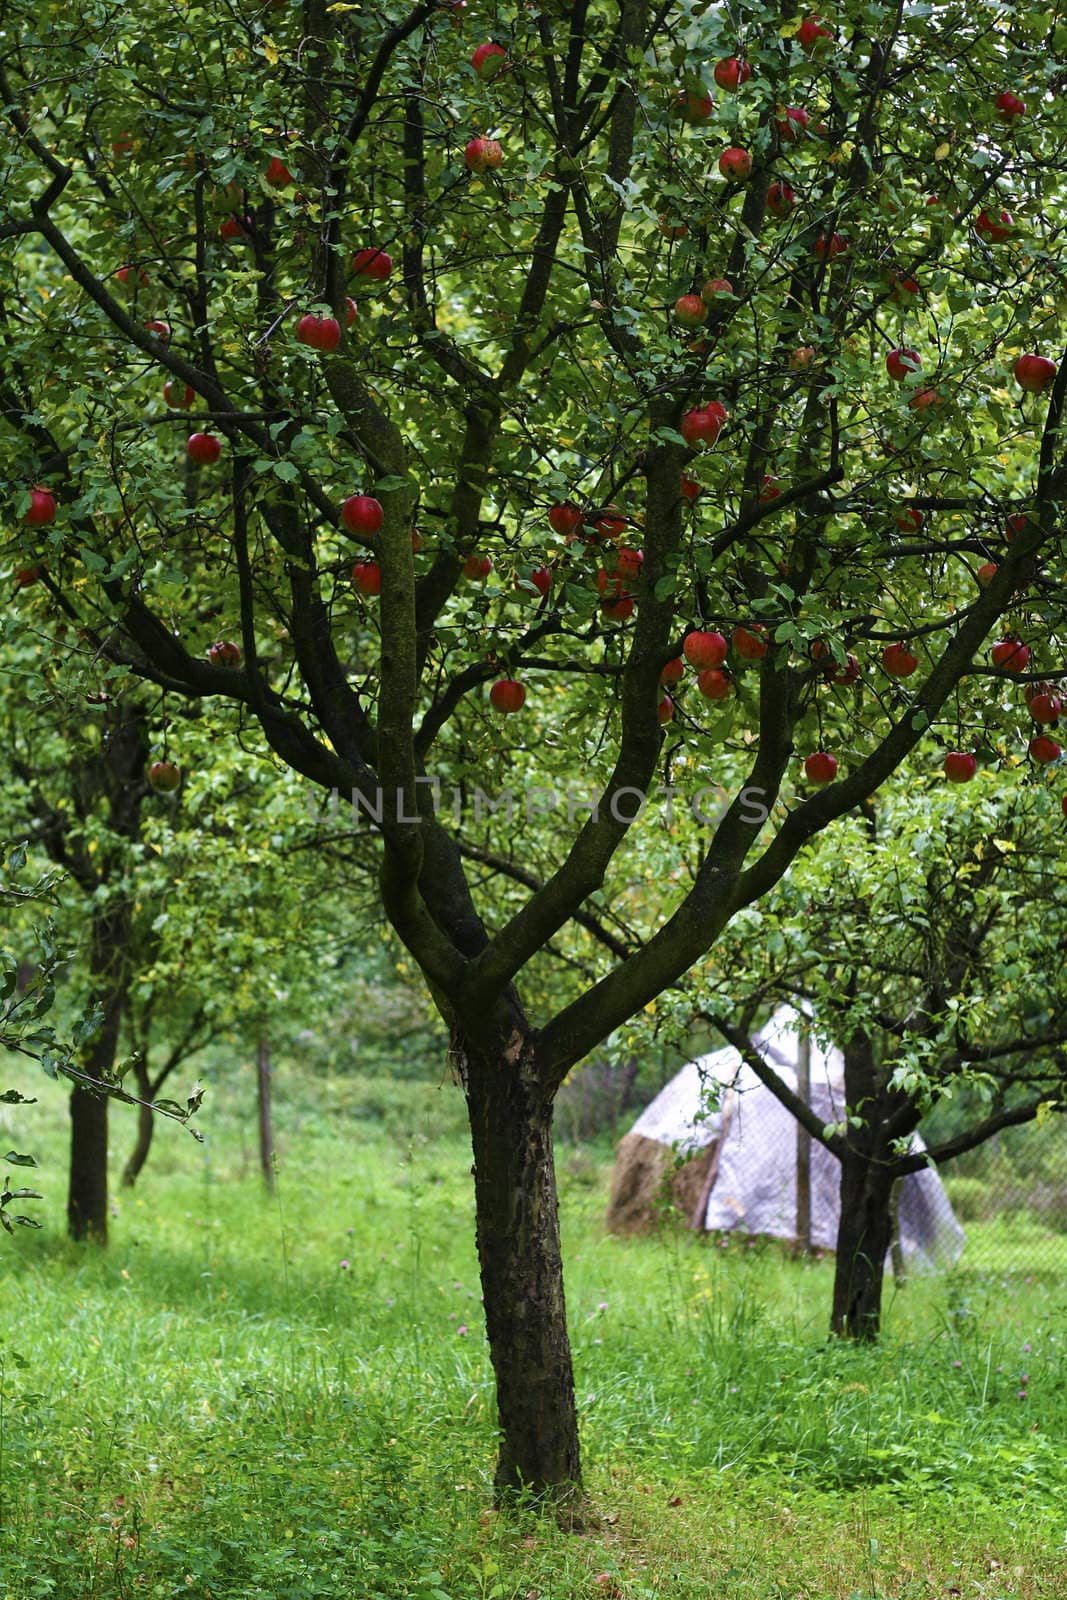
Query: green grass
<point>218,1407</point>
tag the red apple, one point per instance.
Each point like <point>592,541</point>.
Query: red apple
<point>372,263</point>
<point>820,767</point>
<point>690,310</point>
<point>1045,707</point>
<point>416,540</point>
<point>362,515</point>
<point>25,577</point>
<point>672,672</point>
<point>828,249</point>
<point>1044,748</point>
<point>233,229</point>
<point>367,577</point>
<point>204,448</point>
<point>801,359</point>
<point>618,610</point>
<point>123,145</point>
<point>164,776</point>
<point>132,277</point>
<point>900,364</point>
<point>278,174</point>
<point>665,709</point>
<point>902,290</point>
<point>629,564</point>
<point>792,125</point>
<point>695,106</point>
<point>811,34</point>
<point>159,330</point>
<point>994,229</point>
<point>1034,373</point>
<point>731,72</point>
<point>224,653</point>
<point>42,508</point>
<point>704,649</point>
<point>781,198</point>
<point>908,520</point>
<point>1009,107</point>
<point>925,399</point>
<point>690,488</point>
<point>540,577</point>
<point>351,311</point>
<point>1011,655</point>
<point>610,523</point>
<point>714,684</point>
<point>769,489</point>
<point>1014,524</point>
<point>703,424</point>
<point>898,661</point>
<point>986,573</point>
<point>750,643</point>
<point>477,567</point>
<point>565,517</point>
<point>960,766</point>
<point>482,155</point>
<point>507,695</point>
<point>179,396</point>
<point>735,164</point>
<point>849,672</point>
<point>715,287</point>
<point>489,60</point>
<point>671,230</point>
<point>320,333</point>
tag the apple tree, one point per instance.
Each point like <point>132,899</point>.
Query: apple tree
<point>925,939</point>
<point>561,394</point>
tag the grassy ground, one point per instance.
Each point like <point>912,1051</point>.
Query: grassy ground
<point>292,1398</point>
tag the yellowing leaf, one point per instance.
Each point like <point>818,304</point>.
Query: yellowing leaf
<point>270,50</point>
<point>340,6</point>
<point>1006,845</point>
<point>942,151</point>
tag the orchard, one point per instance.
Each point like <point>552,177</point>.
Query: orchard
<point>746,329</point>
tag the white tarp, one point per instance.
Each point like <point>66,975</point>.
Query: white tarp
<point>755,1184</point>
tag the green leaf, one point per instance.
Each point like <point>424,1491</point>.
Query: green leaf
<point>17,1160</point>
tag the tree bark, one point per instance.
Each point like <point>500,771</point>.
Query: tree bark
<point>87,1189</point>
<point>517,1213</point>
<point>146,1125</point>
<point>864,1233</point>
<point>803,1242</point>
<point>263,1107</point>
<point>109,977</point>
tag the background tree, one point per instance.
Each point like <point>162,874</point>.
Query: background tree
<point>824,465</point>
<point>924,937</point>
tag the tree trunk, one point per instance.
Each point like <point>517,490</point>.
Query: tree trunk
<point>803,1221</point>
<point>864,1232</point>
<point>109,976</point>
<point>87,1189</point>
<point>518,1239</point>
<point>266,1123</point>
<point>146,1126</point>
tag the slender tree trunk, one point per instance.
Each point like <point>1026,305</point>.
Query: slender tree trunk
<point>803,1244</point>
<point>518,1238</point>
<point>87,1188</point>
<point>266,1123</point>
<point>146,1126</point>
<point>864,1233</point>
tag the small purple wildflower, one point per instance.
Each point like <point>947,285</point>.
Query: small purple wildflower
<point>462,1330</point>
<point>1026,1349</point>
<point>957,1364</point>
<point>1022,1394</point>
<point>603,1305</point>
<point>344,1265</point>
